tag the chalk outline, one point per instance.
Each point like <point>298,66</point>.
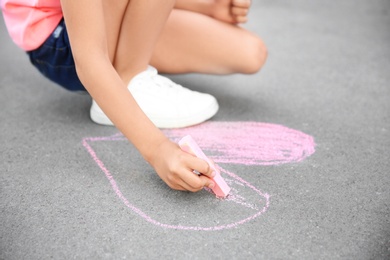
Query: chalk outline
<point>117,137</point>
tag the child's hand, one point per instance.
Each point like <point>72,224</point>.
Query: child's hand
<point>175,167</point>
<point>231,11</point>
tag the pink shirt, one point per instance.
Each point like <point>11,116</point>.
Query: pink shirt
<point>30,22</point>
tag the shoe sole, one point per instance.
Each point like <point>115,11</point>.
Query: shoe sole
<point>200,117</point>
<point>101,119</point>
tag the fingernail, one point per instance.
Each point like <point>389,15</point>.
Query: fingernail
<point>211,185</point>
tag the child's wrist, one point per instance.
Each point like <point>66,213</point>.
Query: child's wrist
<point>153,150</point>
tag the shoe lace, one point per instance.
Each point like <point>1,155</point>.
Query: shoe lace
<point>160,84</point>
<point>165,83</point>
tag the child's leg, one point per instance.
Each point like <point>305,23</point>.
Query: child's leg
<point>192,42</point>
<point>133,28</point>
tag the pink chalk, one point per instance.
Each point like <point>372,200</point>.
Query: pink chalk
<point>187,144</point>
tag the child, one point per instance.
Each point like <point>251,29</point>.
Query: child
<point>105,47</point>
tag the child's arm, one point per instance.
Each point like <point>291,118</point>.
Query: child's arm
<point>86,27</point>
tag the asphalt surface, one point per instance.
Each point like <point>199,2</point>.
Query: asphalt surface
<point>304,144</point>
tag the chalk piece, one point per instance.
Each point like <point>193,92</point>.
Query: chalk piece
<point>187,144</point>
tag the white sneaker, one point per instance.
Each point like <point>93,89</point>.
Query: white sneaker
<point>167,104</point>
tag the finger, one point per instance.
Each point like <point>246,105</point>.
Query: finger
<point>241,19</point>
<point>198,183</point>
<point>207,182</point>
<point>191,182</point>
<point>181,185</point>
<point>241,3</point>
<point>239,11</point>
<point>210,170</point>
<point>199,165</point>
<point>175,184</point>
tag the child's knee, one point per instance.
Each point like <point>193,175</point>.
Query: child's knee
<point>255,55</point>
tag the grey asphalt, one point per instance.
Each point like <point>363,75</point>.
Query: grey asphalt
<point>328,76</point>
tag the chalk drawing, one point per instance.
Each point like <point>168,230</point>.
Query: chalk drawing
<point>245,143</point>
<point>249,143</point>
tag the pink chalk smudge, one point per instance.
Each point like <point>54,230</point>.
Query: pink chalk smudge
<point>248,143</point>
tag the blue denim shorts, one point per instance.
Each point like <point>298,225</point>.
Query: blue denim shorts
<point>54,60</point>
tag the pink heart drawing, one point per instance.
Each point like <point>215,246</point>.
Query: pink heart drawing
<point>249,143</point>
<point>245,143</point>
